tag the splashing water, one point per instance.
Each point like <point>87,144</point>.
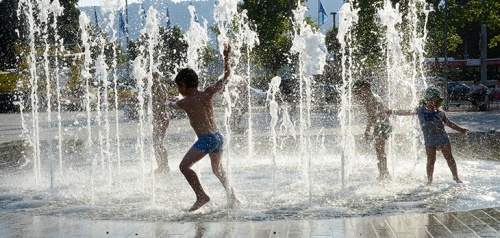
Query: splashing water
<point>316,164</point>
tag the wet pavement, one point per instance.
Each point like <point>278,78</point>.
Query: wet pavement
<point>485,128</point>
<point>476,223</point>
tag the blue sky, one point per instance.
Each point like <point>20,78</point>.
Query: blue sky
<point>329,5</point>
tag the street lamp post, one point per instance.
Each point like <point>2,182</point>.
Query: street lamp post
<point>484,48</point>
<point>484,54</point>
<point>445,70</point>
<point>334,14</point>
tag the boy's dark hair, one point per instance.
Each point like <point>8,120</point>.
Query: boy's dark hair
<point>187,76</point>
<point>361,85</point>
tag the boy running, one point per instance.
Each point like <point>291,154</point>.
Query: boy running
<point>199,108</point>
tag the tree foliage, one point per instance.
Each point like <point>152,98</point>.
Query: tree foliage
<point>368,32</point>
<point>486,12</point>
<point>463,18</point>
<point>272,18</point>
<point>68,22</point>
<point>171,49</point>
<point>8,36</point>
<point>174,49</point>
<point>13,29</point>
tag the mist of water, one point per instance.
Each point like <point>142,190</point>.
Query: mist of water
<point>315,166</point>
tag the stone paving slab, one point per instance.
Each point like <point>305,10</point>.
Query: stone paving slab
<point>475,223</point>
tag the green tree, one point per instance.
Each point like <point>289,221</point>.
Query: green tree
<point>333,70</point>
<point>331,42</point>
<point>13,29</point>
<point>272,18</point>
<point>485,12</point>
<point>173,50</point>
<point>463,22</point>
<point>462,19</point>
<point>68,22</point>
<point>457,30</point>
<point>368,33</point>
<point>8,37</point>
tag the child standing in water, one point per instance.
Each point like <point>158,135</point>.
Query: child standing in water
<point>378,119</point>
<point>160,124</point>
<point>432,121</point>
<point>198,106</point>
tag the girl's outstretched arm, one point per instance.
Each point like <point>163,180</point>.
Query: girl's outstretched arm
<point>172,103</point>
<point>401,112</point>
<point>454,126</point>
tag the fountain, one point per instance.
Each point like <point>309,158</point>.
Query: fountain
<point>287,164</point>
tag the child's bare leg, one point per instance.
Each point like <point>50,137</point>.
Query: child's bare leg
<point>219,172</point>
<point>382,158</point>
<point>159,149</point>
<point>191,157</point>
<point>446,150</point>
<point>431,159</point>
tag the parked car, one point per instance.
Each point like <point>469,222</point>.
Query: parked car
<point>321,93</point>
<point>9,101</point>
<point>77,100</point>
<point>458,91</point>
<point>72,101</point>
<point>258,97</point>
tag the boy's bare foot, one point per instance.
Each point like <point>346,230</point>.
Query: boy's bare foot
<point>456,179</point>
<point>199,203</point>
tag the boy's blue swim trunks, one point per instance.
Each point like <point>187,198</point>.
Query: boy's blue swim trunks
<point>210,143</point>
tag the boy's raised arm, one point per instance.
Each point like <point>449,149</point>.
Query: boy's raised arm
<point>227,72</point>
<point>227,66</point>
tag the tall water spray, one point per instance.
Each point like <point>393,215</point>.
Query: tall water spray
<point>86,75</point>
<point>31,129</point>
<point>234,29</point>
<point>108,172</point>
<point>403,46</point>
<point>149,63</point>
<point>273,110</point>
<point>110,9</point>
<point>310,47</point>
<point>197,39</point>
<point>245,40</point>
<point>349,17</point>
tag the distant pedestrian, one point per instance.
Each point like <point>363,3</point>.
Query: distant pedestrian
<point>432,121</point>
<point>495,93</point>
<point>478,94</point>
